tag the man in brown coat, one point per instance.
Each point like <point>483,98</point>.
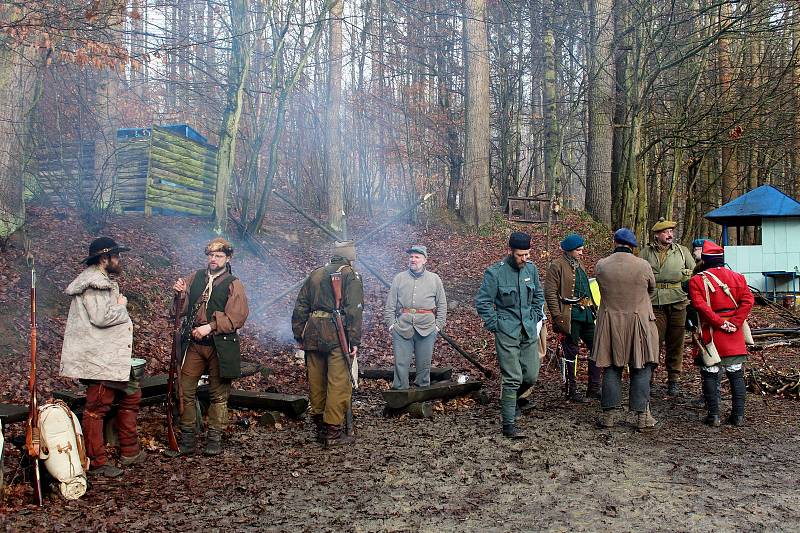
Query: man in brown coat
<point>626,332</point>
<point>566,291</point>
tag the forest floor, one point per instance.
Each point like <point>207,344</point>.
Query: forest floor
<point>450,472</point>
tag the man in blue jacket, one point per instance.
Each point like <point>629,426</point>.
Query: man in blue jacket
<point>511,304</point>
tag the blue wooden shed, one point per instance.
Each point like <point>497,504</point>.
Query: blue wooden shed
<point>772,263</point>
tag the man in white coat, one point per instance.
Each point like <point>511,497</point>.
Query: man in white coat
<point>97,350</point>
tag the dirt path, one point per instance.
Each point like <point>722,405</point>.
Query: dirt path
<point>455,473</point>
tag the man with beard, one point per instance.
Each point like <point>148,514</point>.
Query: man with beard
<point>511,304</point>
<point>416,310</point>
<point>216,301</point>
<point>314,329</point>
<point>97,350</point>
<point>672,264</point>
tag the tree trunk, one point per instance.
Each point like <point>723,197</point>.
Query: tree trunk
<point>16,80</point>
<point>600,139</point>
<point>333,142</point>
<point>477,193</point>
<point>238,68</point>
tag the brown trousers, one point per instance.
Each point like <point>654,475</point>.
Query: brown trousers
<point>201,359</point>
<point>99,399</point>
<point>671,324</point>
<point>329,381</point>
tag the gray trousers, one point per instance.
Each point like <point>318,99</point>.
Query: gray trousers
<point>611,397</point>
<point>418,348</point>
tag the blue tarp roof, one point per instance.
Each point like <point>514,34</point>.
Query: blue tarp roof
<point>748,209</point>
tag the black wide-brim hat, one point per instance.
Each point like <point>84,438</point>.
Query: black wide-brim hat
<point>104,245</point>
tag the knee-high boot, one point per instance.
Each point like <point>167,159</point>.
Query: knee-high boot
<point>711,397</point>
<point>738,393</point>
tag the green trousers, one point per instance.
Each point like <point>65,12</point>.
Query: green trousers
<point>519,367</point>
<point>329,381</point>
<point>671,324</point>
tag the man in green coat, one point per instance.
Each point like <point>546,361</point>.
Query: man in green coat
<point>217,304</point>
<point>672,264</point>
<point>313,327</point>
<point>511,304</point>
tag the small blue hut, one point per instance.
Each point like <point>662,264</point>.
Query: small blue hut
<point>772,263</point>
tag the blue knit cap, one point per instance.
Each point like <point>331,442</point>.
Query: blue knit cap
<point>698,243</point>
<point>571,242</point>
<point>626,236</point>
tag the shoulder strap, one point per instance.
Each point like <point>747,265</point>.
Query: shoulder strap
<point>724,286</point>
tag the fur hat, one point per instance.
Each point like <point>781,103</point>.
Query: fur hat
<point>219,245</point>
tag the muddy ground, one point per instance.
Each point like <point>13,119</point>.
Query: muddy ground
<point>451,472</point>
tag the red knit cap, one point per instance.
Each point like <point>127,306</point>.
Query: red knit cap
<point>712,249</point>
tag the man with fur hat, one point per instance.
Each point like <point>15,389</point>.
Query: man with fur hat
<point>511,304</point>
<point>314,329</point>
<point>566,291</point>
<point>672,264</point>
<point>416,310</point>
<point>216,302</point>
<point>626,333</point>
<point>97,350</point>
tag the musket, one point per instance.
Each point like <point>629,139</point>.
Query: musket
<point>32,437</point>
<point>174,363</point>
<point>344,344</point>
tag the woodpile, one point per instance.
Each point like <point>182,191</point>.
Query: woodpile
<point>769,380</point>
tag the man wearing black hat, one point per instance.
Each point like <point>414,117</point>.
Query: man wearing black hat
<point>511,304</point>
<point>568,298</point>
<point>416,310</point>
<point>97,349</point>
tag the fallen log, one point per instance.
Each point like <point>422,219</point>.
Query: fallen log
<point>11,413</point>
<point>387,374</point>
<point>154,388</point>
<point>398,399</point>
<point>416,410</point>
<point>288,404</point>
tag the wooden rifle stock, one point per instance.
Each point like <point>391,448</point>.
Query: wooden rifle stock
<point>344,344</point>
<point>32,437</point>
<point>174,363</point>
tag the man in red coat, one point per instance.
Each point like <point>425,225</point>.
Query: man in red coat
<point>723,300</point>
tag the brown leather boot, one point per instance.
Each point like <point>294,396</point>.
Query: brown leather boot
<point>334,436</point>
<point>319,429</point>
<point>645,420</point>
<point>608,418</point>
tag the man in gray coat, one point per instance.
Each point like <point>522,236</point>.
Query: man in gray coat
<point>97,350</point>
<point>416,310</point>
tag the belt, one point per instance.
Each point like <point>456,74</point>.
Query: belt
<point>668,285</point>
<point>321,314</point>
<point>414,311</point>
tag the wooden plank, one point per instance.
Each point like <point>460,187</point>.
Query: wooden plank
<point>152,386</point>
<point>163,152</point>
<point>289,404</point>
<point>177,197</point>
<point>398,399</point>
<point>387,374</point>
<point>11,413</point>
<point>180,191</point>
<point>159,172</point>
